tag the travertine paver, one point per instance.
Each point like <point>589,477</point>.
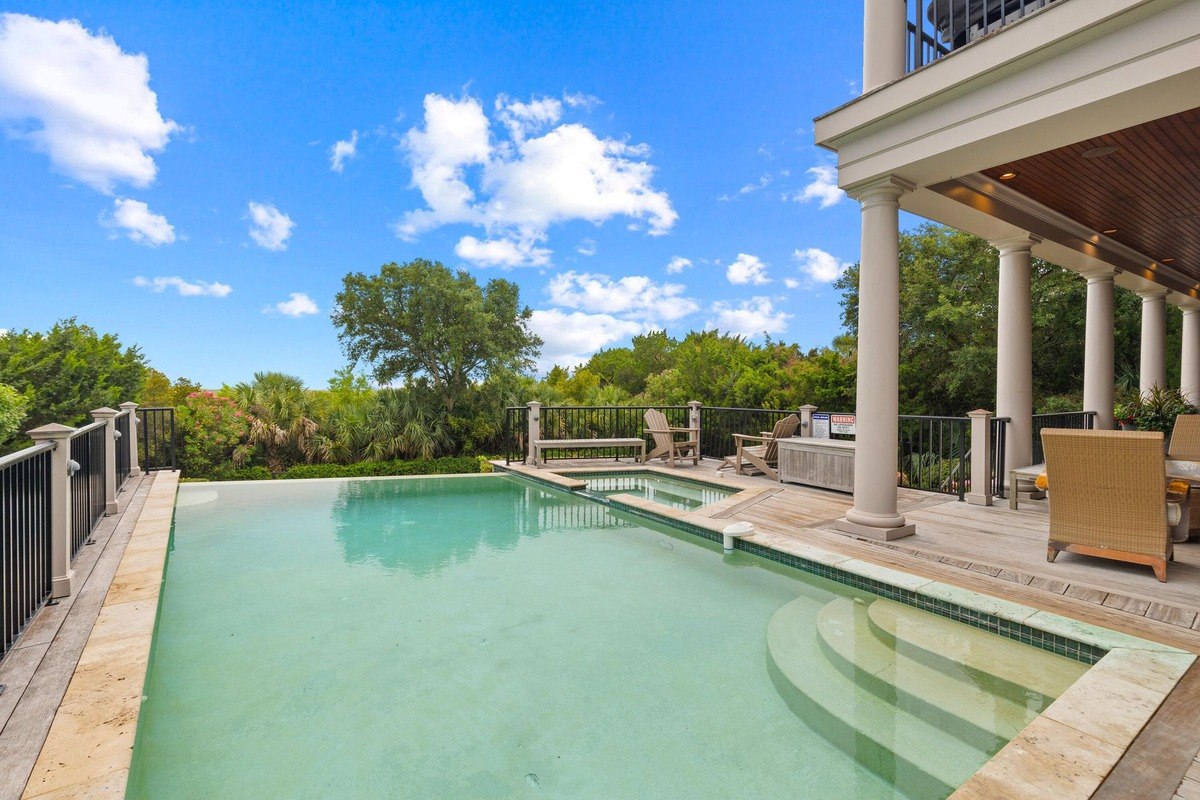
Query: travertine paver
<point>90,745</point>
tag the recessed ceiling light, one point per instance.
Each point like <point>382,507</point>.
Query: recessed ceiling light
<point>1100,152</point>
<point>1109,231</point>
<point>1008,176</point>
<point>1167,260</point>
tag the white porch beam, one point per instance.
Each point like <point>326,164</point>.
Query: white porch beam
<point>1098,348</point>
<point>1153,368</point>
<point>1189,358</point>
<point>874,513</point>
<point>1014,348</point>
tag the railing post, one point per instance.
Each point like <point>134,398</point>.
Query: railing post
<point>134,436</point>
<point>109,417</point>
<point>61,574</point>
<point>535,430</point>
<point>806,415</point>
<point>694,420</point>
<point>981,458</point>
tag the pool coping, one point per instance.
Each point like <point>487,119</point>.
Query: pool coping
<point>1065,753</point>
<point>1069,749</point>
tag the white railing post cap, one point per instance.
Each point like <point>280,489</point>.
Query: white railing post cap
<point>50,432</point>
<point>104,412</point>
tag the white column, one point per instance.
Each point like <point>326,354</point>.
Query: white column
<point>1154,331</point>
<point>885,37</point>
<point>535,430</point>
<point>694,420</point>
<point>134,437</point>
<point>874,513</point>
<point>981,458</point>
<point>1098,348</point>
<point>109,417</point>
<point>1014,349</point>
<point>61,574</point>
<point>1189,357</point>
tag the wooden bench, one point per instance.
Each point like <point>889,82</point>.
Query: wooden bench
<point>541,445</point>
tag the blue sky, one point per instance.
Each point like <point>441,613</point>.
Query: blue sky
<point>189,201</point>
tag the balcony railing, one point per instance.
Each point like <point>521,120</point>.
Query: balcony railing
<point>939,27</point>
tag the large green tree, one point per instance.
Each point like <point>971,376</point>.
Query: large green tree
<point>69,370</point>
<point>421,320</point>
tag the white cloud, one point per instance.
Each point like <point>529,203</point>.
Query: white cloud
<point>523,184</point>
<point>184,288</point>
<point>630,297</point>
<point>762,183</point>
<point>139,223</point>
<point>569,339</point>
<point>580,100</point>
<point>747,269</point>
<point>342,151</point>
<point>586,247</point>
<point>270,228</point>
<point>823,188</point>
<point>82,101</point>
<point>502,252</point>
<point>750,318</point>
<point>818,265</point>
<point>678,264</point>
<point>791,283</point>
<point>298,304</point>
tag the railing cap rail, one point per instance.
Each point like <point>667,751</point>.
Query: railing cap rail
<point>91,426</point>
<point>26,454</point>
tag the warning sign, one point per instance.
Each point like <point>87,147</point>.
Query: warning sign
<point>820,426</point>
<point>842,424</point>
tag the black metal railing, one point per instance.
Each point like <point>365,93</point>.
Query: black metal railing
<point>939,27</point>
<point>934,454</point>
<point>999,454</point>
<point>601,422</point>
<point>121,442</point>
<point>1072,420</point>
<point>157,439</point>
<point>516,433</point>
<point>89,483</point>
<point>25,493</point>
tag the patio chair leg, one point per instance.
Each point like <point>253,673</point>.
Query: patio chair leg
<point>1160,570</point>
<point>1051,554</point>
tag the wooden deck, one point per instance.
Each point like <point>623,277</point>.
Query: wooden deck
<point>993,550</point>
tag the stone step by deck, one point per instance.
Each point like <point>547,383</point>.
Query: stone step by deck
<point>921,757</point>
<point>1009,667</point>
<point>954,703</point>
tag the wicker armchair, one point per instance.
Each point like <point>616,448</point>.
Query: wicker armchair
<point>1108,496</point>
<point>1185,446</point>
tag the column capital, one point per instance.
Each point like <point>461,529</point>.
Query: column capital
<point>1189,305</point>
<point>889,188</point>
<point>1100,274</point>
<point>1157,294</point>
<point>1023,242</point>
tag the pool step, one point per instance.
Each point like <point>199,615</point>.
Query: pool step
<point>922,757</point>
<point>1009,667</point>
<point>954,703</point>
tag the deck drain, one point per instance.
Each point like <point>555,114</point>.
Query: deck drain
<point>533,781</point>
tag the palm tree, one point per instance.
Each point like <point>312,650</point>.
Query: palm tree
<point>281,417</point>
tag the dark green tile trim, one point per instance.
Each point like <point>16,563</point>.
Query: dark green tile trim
<point>1061,645</point>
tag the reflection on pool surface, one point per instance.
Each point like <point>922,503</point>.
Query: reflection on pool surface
<point>676,492</point>
<point>482,637</point>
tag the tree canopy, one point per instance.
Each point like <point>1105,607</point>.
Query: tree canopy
<point>420,319</point>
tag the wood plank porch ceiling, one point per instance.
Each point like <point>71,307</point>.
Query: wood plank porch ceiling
<point>1148,189</point>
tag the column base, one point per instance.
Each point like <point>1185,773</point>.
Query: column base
<point>870,532</point>
<point>110,508</point>
<point>979,500</point>
<point>61,586</point>
<point>134,472</point>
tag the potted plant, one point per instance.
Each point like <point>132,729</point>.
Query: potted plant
<point>1125,412</point>
<point>1156,410</point>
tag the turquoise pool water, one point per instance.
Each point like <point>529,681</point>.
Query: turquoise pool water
<point>481,637</point>
<point>675,492</point>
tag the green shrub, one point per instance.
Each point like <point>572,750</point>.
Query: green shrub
<point>449,465</point>
<point>231,473</point>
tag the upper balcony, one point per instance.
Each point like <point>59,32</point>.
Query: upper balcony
<point>937,28</point>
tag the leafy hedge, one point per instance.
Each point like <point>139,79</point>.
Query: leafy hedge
<point>449,465</point>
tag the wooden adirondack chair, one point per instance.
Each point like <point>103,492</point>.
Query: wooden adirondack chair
<point>763,457</point>
<point>666,445</point>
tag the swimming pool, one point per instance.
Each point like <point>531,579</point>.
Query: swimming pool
<point>681,493</point>
<point>483,637</point>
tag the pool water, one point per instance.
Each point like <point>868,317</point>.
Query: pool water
<point>676,492</point>
<point>482,637</point>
